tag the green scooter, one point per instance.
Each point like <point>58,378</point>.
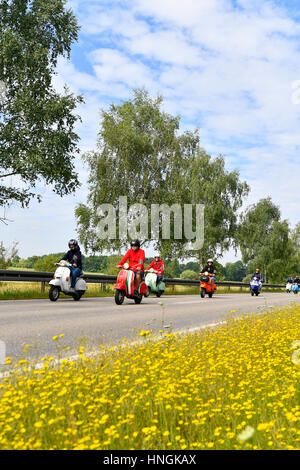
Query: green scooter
<point>150,280</point>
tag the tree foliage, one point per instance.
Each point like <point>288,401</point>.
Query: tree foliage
<point>189,274</point>
<point>7,255</point>
<point>265,240</point>
<point>141,154</point>
<point>222,194</point>
<point>46,263</point>
<point>37,138</point>
<point>236,271</point>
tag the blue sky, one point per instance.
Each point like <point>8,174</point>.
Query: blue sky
<point>230,68</point>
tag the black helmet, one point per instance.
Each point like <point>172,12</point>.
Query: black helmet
<point>73,243</point>
<point>135,243</point>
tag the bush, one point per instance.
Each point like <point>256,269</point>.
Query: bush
<point>189,274</point>
<point>46,263</point>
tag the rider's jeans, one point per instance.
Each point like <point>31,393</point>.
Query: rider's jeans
<point>75,272</point>
<point>159,278</point>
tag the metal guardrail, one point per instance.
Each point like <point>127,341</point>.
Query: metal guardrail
<point>41,276</point>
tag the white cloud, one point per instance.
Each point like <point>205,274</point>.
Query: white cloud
<point>113,67</point>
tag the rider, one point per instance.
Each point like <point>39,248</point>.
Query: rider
<point>136,257</point>
<point>158,266</point>
<point>74,258</point>
<point>297,280</point>
<point>257,274</point>
<point>210,268</point>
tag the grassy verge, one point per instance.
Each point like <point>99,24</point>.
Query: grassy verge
<point>233,387</point>
<point>32,290</point>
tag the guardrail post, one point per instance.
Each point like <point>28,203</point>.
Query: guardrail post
<point>43,285</point>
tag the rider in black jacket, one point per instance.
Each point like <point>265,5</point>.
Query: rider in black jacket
<point>74,258</point>
<point>210,268</point>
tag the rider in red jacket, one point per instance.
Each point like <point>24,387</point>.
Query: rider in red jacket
<point>136,259</point>
<point>158,266</point>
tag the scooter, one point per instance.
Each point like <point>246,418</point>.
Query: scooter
<point>255,286</point>
<point>205,285</point>
<point>289,287</point>
<point>157,289</point>
<point>295,288</point>
<point>61,282</point>
<point>125,287</point>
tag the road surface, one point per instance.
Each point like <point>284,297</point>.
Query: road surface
<point>95,321</point>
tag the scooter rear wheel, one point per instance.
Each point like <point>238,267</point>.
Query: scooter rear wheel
<point>202,292</point>
<point>76,295</point>
<point>138,299</point>
<point>119,297</point>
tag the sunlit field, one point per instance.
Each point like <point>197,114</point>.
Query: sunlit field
<point>236,386</point>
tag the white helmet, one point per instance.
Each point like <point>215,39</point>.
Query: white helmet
<point>210,260</point>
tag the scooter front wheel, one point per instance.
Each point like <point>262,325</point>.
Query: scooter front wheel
<point>202,292</point>
<point>54,292</point>
<point>119,297</point>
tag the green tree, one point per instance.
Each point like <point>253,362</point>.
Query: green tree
<point>112,262</point>
<point>140,155</point>
<point>189,274</point>
<point>31,261</point>
<point>46,263</point>
<point>222,194</point>
<point>193,265</point>
<point>172,268</point>
<point>235,271</point>
<point>265,240</point>
<point>37,138</point>
<point>15,261</point>
<point>7,255</point>
<point>295,238</point>
<point>94,264</point>
<point>221,272</point>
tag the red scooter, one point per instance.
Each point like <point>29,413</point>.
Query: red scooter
<point>205,285</point>
<point>125,287</point>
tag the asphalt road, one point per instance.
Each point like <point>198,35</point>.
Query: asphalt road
<point>95,321</point>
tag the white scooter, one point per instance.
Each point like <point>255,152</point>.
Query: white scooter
<point>61,282</point>
<point>150,280</point>
<point>289,287</point>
